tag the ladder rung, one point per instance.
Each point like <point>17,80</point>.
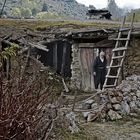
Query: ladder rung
<point>117,57</point>
<point>121,39</point>
<point>119,49</point>
<point>110,76</point>
<point>109,86</point>
<point>117,66</point>
<point>125,29</point>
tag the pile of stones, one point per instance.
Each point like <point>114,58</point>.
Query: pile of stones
<point>115,103</point>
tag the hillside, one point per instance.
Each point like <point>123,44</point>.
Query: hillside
<point>46,8</point>
<point>137,15</point>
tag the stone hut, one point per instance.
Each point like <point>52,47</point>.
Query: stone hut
<point>73,55</point>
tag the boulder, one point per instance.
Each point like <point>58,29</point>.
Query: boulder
<point>114,115</point>
<point>85,114</point>
<point>125,109</point>
<point>94,106</point>
<point>133,105</point>
<point>87,104</point>
<point>117,107</point>
<point>138,93</point>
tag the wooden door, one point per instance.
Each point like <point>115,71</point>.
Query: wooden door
<point>87,56</point>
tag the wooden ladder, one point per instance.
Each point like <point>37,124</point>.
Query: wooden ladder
<point>118,56</point>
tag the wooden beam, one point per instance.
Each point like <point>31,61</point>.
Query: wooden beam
<point>55,56</point>
<point>63,58</point>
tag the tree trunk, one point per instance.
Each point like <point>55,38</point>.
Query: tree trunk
<point>3,8</point>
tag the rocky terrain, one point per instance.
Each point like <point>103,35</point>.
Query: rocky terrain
<point>116,103</point>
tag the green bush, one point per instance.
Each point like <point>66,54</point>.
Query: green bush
<point>26,12</point>
<point>47,15</point>
<point>16,12</point>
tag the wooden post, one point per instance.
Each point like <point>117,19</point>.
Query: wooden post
<point>55,56</point>
<point>8,68</point>
<point>63,58</point>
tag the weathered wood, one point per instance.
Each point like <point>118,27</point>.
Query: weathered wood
<point>38,46</point>
<point>63,58</point>
<point>55,56</point>
<point>86,58</point>
<point>8,67</point>
<point>65,86</point>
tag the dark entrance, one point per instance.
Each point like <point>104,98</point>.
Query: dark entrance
<point>58,57</point>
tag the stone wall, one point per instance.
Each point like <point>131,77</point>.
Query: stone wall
<point>132,61</point>
<point>75,67</point>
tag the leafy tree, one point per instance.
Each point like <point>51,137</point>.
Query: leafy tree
<point>1,12</point>
<point>34,11</point>
<point>26,12</point>
<point>46,15</point>
<point>45,7</point>
<point>16,12</point>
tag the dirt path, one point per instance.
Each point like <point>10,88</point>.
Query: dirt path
<point>119,130</point>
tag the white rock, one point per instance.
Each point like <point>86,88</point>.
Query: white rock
<point>87,104</point>
<point>138,94</point>
<point>134,98</point>
<point>94,106</point>
<point>85,114</point>
<point>125,107</point>
<point>114,100</point>
<point>127,98</point>
<point>117,107</point>
<point>114,115</point>
<point>133,105</point>
<point>138,103</point>
<point>132,93</point>
<point>89,101</point>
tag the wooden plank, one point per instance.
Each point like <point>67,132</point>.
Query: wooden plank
<point>110,76</point>
<point>86,60</point>
<point>119,49</point>
<point>121,39</point>
<point>87,45</point>
<point>117,57</point>
<point>55,56</point>
<point>63,58</point>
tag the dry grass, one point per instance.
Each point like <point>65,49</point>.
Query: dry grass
<point>33,24</point>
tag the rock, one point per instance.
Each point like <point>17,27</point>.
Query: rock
<point>114,115</point>
<point>138,103</point>
<point>94,106</point>
<point>134,115</point>
<point>119,98</point>
<point>138,94</point>
<point>134,98</point>
<point>127,98</point>
<point>117,107</point>
<point>114,100</point>
<point>125,109</point>
<point>89,101</point>
<point>132,93</point>
<point>72,122</point>
<point>133,105</point>
<point>104,98</point>
<point>109,106</point>
<point>85,114</point>
<point>87,104</point>
<point>91,117</point>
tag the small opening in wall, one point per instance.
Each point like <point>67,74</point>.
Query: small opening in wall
<point>58,57</point>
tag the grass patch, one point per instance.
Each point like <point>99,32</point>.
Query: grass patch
<point>83,135</point>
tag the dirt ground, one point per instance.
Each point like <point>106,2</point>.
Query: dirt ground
<point>118,130</point>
